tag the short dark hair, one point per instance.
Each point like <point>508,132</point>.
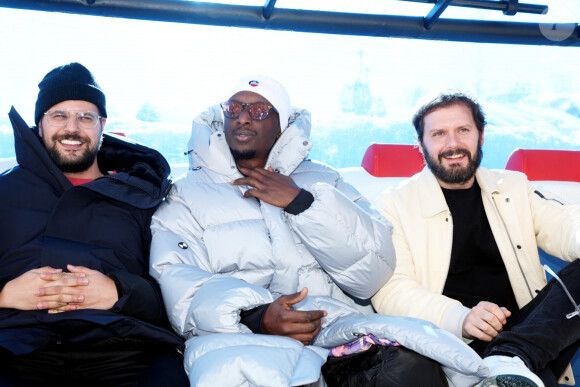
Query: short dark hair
<point>444,100</point>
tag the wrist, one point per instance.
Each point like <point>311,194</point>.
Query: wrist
<point>3,300</point>
<point>4,297</point>
<point>301,203</point>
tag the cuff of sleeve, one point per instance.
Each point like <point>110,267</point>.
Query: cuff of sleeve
<point>253,318</point>
<point>139,298</point>
<point>453,317</point>
<point>117,284</point>
<point>301,203</point>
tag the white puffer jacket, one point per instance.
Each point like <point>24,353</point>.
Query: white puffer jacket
<point>215,253</point>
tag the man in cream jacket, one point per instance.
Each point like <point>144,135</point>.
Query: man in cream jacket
<point>467,243</point>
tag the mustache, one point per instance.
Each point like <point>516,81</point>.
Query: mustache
<point>244,129</point>
<point>452,152</point>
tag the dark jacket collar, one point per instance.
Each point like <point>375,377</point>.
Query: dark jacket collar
<point>144,170</point>
<point>31,154</point>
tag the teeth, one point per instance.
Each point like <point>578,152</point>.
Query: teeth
<point>70,142</point>
<point>455,156</point>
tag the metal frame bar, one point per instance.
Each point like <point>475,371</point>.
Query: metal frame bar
<point>512,7</point>
<point>504,5</point>
<point>180,11</point>
<point>269,8</point>
<point>435,12</point>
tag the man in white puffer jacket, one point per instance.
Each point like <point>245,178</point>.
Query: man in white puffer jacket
<point>257,239</point>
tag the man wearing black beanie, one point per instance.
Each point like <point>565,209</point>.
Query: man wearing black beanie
<point>76,302</point>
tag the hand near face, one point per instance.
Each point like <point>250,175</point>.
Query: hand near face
<point>280,319</point>
<point>269,186</point>
<point>44,288</point>
<point>485,321</point>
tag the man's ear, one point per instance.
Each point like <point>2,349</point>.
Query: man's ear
<point>481,137</point>
<point>420,145</point>
<point>40,128</point>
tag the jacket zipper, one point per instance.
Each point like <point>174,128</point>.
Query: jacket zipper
<point>449,221</point>
<point>545,198</point>
<point>512,245</point>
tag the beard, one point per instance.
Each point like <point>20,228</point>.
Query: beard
<point>243,155</point>
<point>69,162</point>
<point>454,174</point>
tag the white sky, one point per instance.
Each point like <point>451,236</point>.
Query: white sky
<point>182,69</point>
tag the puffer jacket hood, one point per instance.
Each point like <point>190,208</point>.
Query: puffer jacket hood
<point>208,147</point>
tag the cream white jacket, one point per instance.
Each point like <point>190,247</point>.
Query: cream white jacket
<point>522,218</point>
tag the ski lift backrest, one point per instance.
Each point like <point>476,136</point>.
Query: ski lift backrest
<point>543,164</point>
<point>558,171</point>
<point>392,160</point>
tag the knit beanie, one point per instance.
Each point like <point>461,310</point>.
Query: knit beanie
<point>270,89</point>
<point>71,81</point>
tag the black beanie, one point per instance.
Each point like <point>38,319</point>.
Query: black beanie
<point>72,81</point>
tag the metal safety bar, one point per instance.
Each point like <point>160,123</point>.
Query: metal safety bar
<point>228,15</point>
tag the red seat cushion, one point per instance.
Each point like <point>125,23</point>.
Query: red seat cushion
<point>392,160</point>
<point>542,164</point>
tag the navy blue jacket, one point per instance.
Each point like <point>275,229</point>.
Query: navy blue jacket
<point>103,225</point>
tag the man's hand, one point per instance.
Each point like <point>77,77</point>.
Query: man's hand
<point>280,319</point>
<point>485,321</point>
<point>270,187</point>
<point>100,291</point>
<point>24,292</point>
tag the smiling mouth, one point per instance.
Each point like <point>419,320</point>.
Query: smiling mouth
<point>71,142</point>
<point>454,155</point>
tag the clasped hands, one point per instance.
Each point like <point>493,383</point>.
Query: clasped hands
<point>269,186</point>
<point>58,291</point>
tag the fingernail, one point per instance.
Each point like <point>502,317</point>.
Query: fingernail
<point>39,305</point>
<point>80,298</point>
<point>37,292</point>
<point>84,281</point>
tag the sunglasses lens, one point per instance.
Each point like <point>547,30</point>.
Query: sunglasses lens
<point>258,111</point>
<point>232,109</point>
